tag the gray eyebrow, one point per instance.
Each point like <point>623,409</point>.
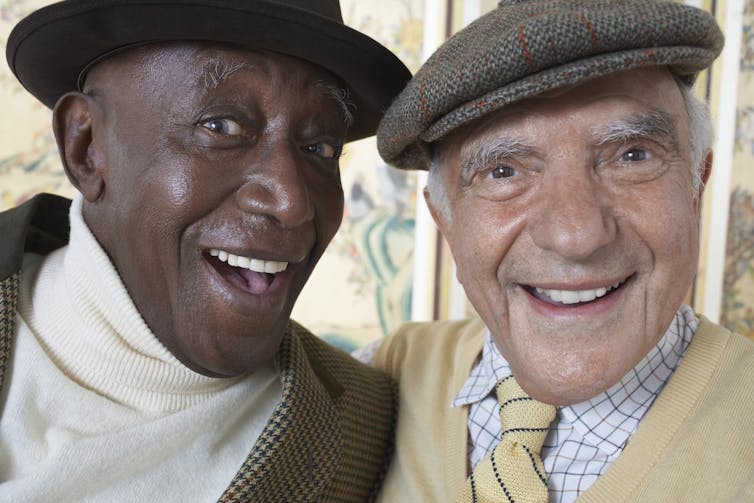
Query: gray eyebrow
<point>656,124</point>
<point>340,95</point>
<point>218,70</point>
<point>485,150</point>
<point>215,72</point>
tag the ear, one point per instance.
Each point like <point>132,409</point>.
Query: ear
<point>439,215</point>
<point>706,172</point>
<point>72,124</point>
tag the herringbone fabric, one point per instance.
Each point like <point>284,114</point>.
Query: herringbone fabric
<point>8,300</point>
<point>514,471</point>
<point>322,443</point>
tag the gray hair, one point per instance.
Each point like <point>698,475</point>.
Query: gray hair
<point>340,95</point>
<point>701,136</point>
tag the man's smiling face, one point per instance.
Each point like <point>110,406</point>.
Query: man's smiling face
<point>220,191</point>
<point>573,223</point>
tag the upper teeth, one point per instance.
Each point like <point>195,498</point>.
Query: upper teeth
<point>253,264</point>
<point>575,296</point>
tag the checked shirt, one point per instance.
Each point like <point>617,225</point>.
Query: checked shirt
<point>587,437</point>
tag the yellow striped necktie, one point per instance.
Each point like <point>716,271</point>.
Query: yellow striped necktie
<point>513,472</point>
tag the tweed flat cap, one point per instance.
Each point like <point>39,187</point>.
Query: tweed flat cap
<point>527,47</point>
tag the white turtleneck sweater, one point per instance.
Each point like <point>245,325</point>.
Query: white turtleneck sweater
<point>98,410</point>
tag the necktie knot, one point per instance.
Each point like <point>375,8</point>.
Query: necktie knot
<point>513,471</point>
<point>523,418</point>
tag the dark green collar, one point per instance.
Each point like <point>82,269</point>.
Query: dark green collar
<point>40,225</point>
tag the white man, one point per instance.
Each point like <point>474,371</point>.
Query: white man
<point>567,156</point>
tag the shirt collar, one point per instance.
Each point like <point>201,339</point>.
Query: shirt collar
<point>490,368</point>
<point>608,419</point>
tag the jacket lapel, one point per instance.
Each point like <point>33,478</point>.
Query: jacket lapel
<point>297,453</point>
<point>40,225</point>
<point>8,299</point>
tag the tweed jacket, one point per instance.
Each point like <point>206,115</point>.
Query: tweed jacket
<point>330,437</point>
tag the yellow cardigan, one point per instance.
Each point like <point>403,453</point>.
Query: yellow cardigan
<point>696,443</point>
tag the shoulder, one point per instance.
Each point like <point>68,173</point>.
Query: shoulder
<point>342,374</point>
<point>443,344</point>
<point>733,353</point>
<point>366,400</point>
<point>39,225</point>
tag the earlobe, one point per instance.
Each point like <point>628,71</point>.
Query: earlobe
<point>72,124</point>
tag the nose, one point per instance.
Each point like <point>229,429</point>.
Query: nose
<point>576,218</point>
<point>276,186</point>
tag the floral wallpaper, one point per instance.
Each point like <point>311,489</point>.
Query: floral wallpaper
<point>738,280</point>
<point>361,289</point>
<point>366,273</point>
<point>28,154</point>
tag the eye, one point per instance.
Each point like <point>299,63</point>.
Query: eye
<point>503,172</point>
<point>225,127</point>
<point>324,150</point>
<point>635,155</point>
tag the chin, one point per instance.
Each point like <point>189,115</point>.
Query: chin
<point>237,355</point>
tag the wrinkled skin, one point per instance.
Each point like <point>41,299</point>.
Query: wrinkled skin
<point>571,203</point>
<point>183,150</point>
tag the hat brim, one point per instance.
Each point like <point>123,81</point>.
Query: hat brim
<point>48,50</point>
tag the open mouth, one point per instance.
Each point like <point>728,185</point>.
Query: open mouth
<point>251,275</point>
<point>574,298</point>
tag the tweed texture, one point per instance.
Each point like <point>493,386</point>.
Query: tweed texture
<point>525,48</point>
<point>8,301</point>
<point>321,453</point>
<point>330,438</point>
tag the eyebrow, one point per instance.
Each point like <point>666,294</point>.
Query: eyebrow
<point>656,124</point>
<point>340,96</point>
<point>485,150</point>
<point>216,71</point>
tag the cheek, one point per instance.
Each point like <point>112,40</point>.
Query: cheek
<point>178,190</point>
<point>666,240</point>
<point>328,201</point>
<point>483,236</point>
<point>670,231</point>
<point>184,190</point>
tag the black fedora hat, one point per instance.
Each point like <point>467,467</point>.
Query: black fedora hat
<point>50,50</point>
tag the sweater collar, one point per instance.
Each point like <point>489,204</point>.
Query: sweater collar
<point>82,312</point>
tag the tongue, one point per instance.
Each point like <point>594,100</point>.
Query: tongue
<point>255,283</point>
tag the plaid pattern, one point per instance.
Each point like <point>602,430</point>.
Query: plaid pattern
<point>524,48</point>
<point>330,439</point>
<point>587,437</point>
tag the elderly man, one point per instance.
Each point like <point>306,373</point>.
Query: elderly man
<point>146,348</point>
<point>567,156</point>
